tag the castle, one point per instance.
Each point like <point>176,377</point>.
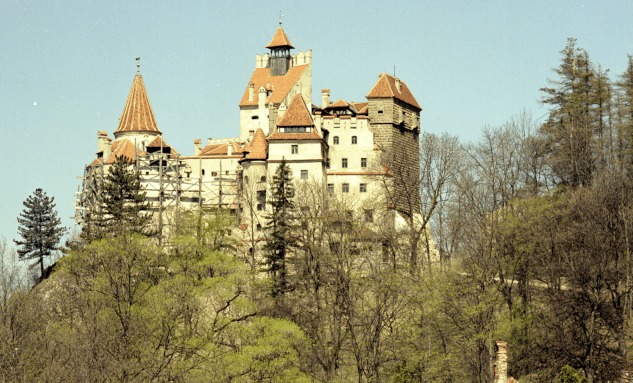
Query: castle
<point>349,150</point>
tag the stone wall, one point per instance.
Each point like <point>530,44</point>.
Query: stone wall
<point>396,129</point>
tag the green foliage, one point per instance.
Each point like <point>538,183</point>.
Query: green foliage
<point>569,375</point>
<point>120,205</point>
<point>122,309</point>
<point>40,229</point>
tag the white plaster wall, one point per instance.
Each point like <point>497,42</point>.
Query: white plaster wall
<point>345,149</point>
<point>247,123</point>
<point>279,149</point>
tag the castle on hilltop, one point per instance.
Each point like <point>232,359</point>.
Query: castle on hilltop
<point>365,153</point>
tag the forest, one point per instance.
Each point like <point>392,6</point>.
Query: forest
<point>532,223</point>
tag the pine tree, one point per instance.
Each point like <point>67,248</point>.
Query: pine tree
<point>279,227</point>
<point>569,130</point>
<point>40,229</point>
<point>120,205</point>
<point>625,111</point>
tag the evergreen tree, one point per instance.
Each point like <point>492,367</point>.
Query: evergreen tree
<point>120,205</point>
<point>40,229</point>
<point>279,227</point>
<point>569,130</point>
<point>625,112</point>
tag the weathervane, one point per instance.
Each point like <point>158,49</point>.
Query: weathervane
<point>280,16</point>
<point>138,64</point>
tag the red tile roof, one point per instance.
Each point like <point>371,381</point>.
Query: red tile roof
<point>102,133</point>
<point>156,143</point>
<point>279,40</point>
<point>196,141</point>
<point>219,149</point>
<point>280,85</point>
<point>123,148</point>
<point>386,87</point>
<point>297,114</point>
<point>339,104</point>
<point>361,107</point>
<point>313,135</point>
<point>137,113</point>
<point>258,148</point>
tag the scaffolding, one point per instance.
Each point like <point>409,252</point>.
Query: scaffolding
<point>169,187</point>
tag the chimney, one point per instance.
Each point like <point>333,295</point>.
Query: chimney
<point>197,147</point>
<point>102,138</point>
<point>281,111</point>
<point>209,140</point>
<point>261,107</point>
<point>502,362</point>
<point>229,149</point>
<point>251,91</point>
<point>107,148</point>
<point>325,98</point>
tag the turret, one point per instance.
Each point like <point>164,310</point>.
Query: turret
<point>280,59</point>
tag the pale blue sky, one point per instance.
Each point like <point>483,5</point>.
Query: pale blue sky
<point>468,64</point>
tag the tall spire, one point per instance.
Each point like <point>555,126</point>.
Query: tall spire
<point>137,114</point>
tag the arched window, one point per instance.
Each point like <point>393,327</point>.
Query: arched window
<point>263,179</point>
<point>354,140</point>
<point>259,227</point>
<point>335,140</point>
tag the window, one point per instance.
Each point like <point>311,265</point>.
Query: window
<point>304,174</point>
<point>344,164</point>
<point>330,188</point>
<point>260,207</point>
<point>227,173</point>
<point>380,112</point>
<point>259,227</point>
<point>363,188</point>
<point>363,162</point>
<point>213,174</point>
<point>296,129</point>
<point>354,140</point>
<point>246,179</point>
<point>255,118</point>
<point>261,194</point>
<point>345,188</point>
<point>327,163</point>
<point>147,173</point>
<point>335,140</point>
<point>202,171</point>
<point>263,179</point>
<point>294,149</point>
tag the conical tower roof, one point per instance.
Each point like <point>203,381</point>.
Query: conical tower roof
<point>258,149</point>
<point>280,40</point>
<point>137,115</point>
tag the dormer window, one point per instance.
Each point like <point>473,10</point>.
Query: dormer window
<point>296,129</point>
<point>269,93</point>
